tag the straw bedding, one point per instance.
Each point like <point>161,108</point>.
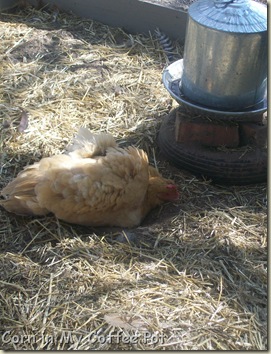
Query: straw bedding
<point>193,276</point>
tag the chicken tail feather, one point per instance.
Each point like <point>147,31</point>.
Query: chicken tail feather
<point>19,194</point>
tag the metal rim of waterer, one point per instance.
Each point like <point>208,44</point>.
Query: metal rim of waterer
<point>230,167</point>
<point>172,77</point>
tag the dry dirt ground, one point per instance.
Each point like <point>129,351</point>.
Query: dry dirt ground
<point>193,276</point>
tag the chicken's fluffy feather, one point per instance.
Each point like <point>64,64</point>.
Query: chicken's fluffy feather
<point>96,183</point>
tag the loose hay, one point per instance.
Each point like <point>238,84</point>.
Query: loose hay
<point>195,276</point>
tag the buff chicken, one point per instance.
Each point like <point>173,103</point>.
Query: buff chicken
<point>96,183</point>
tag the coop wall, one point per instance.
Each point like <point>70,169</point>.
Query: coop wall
<point>134,16</point>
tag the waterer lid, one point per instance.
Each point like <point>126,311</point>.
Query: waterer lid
<point>238,16</point>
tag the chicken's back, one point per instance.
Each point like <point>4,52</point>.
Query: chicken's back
<point>107,190</point>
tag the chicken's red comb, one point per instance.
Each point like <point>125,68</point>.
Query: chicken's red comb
<point>171,186</point>
<point>170,194</point>
<point>172,191</point>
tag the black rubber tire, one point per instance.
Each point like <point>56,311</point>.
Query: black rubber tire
<point>230,167</point>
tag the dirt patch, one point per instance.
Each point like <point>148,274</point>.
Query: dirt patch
<point>174,4</point>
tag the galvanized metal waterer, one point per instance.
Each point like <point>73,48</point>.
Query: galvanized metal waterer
<point>225,55</point>
<point>219,130</point>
